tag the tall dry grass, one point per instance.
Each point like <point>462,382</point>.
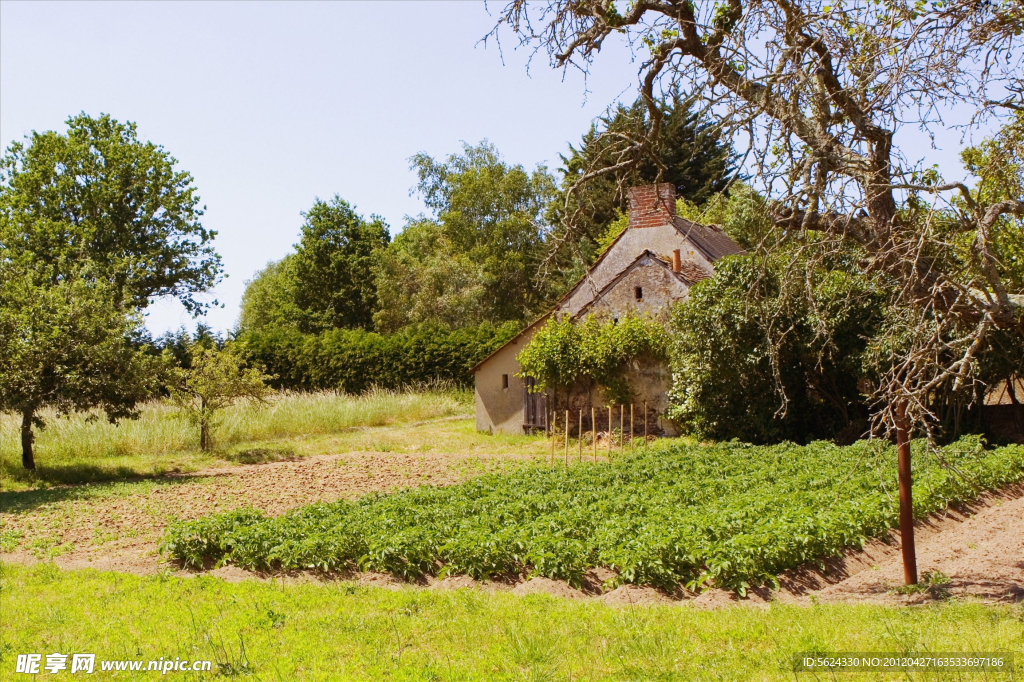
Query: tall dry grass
<point>88,447</point>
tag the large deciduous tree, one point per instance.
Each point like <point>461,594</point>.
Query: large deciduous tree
<point>479,256</point>
<point>100,194</point>
<point>334,284</point>
<point>825,91</point>
<point>94,224</point>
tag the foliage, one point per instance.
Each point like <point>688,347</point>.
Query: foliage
<point>214,380</point>
<point>696,159</point>
<point>998,163</point>
<point>333,284</point>
<point>66,345</point>
<point>353,360</point>
<point>564,352</point>
<point>729,514</point>
<point>269,298</point>
<point>423,279</point>
<point>759,358</point>
<point>479,254</point>
<point>98,194</point>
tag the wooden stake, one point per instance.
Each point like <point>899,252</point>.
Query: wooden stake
<point>622,426</point>
<point>644,423</point>
<point>579,435</point>
<point>906,499</point>
<point>631,427</point>
<point>609,433</point>
<point>593,431</point>
<point>554,423</point>
<point>567,438</point>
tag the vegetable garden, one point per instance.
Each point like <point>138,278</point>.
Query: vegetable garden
<point>728,514</point>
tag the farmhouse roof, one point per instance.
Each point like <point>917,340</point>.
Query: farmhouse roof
<point>709,240</point>
<point>689,274</point>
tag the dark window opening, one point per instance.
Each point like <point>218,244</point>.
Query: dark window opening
<point>639,291</point>
<point>504,381</point>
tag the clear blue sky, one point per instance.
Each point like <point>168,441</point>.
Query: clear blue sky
<point>270,105</point>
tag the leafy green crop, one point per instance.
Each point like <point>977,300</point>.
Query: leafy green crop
<point>730,514</point>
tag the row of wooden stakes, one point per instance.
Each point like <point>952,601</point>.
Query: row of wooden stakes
<point>552,431</point>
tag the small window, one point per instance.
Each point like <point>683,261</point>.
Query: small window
<point>639,293</point>
<point>504,381</point>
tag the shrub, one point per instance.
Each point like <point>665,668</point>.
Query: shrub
<point>353,360</point>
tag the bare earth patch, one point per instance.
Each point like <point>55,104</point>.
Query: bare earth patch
<point>120,532</point>
<point>978,549</point>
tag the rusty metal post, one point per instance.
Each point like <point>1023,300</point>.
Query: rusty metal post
<point>906,498</point>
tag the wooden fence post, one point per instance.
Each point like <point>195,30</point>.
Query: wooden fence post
<point>567,438</point>
<point>622,427</point>
<point>610,431</point>
<point>554,423</point>
<point>631,428</point>
<point>593,430</point>
<point>645,423</point>
<point>579,435</point>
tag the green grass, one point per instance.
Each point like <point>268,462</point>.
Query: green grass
<point>729,514</point>
<point>340,631</point>
<point>85,447</point>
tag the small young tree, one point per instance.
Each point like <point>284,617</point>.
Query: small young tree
<point>215,380</point>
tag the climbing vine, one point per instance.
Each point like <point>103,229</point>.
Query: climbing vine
<point>564,352</point>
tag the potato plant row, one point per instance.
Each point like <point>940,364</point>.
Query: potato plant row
<point>729,514</point>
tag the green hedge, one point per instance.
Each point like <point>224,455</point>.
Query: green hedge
<point>353,360</point>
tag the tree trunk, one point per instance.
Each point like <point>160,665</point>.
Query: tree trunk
<point>27,459</point>
<point>204,427</point>
<point>906,499</point>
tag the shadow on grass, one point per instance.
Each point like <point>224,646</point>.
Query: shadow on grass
<point>24,501</point>
<point>261,455</point>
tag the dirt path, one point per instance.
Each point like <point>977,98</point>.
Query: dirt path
<point>118,527</point>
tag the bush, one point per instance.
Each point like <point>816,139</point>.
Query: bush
<point>734,514</point>
<point>353,360</point>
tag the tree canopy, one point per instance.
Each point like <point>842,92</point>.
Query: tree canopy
<point>479,257</point>
<point>333,281</point>
<point>691,154</point>
<point>99,194</point>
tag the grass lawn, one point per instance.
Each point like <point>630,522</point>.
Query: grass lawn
<point>86,448</point>
<point>269,631</point>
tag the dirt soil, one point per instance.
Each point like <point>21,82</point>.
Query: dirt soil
<point>120,530</point>
<point>974,551</point>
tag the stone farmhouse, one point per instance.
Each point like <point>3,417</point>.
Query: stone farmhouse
<point>650,265</point>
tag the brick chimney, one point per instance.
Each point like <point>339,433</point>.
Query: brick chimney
<point>651,205</point>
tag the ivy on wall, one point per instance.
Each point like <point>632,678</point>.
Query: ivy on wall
<point>565,352</point>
